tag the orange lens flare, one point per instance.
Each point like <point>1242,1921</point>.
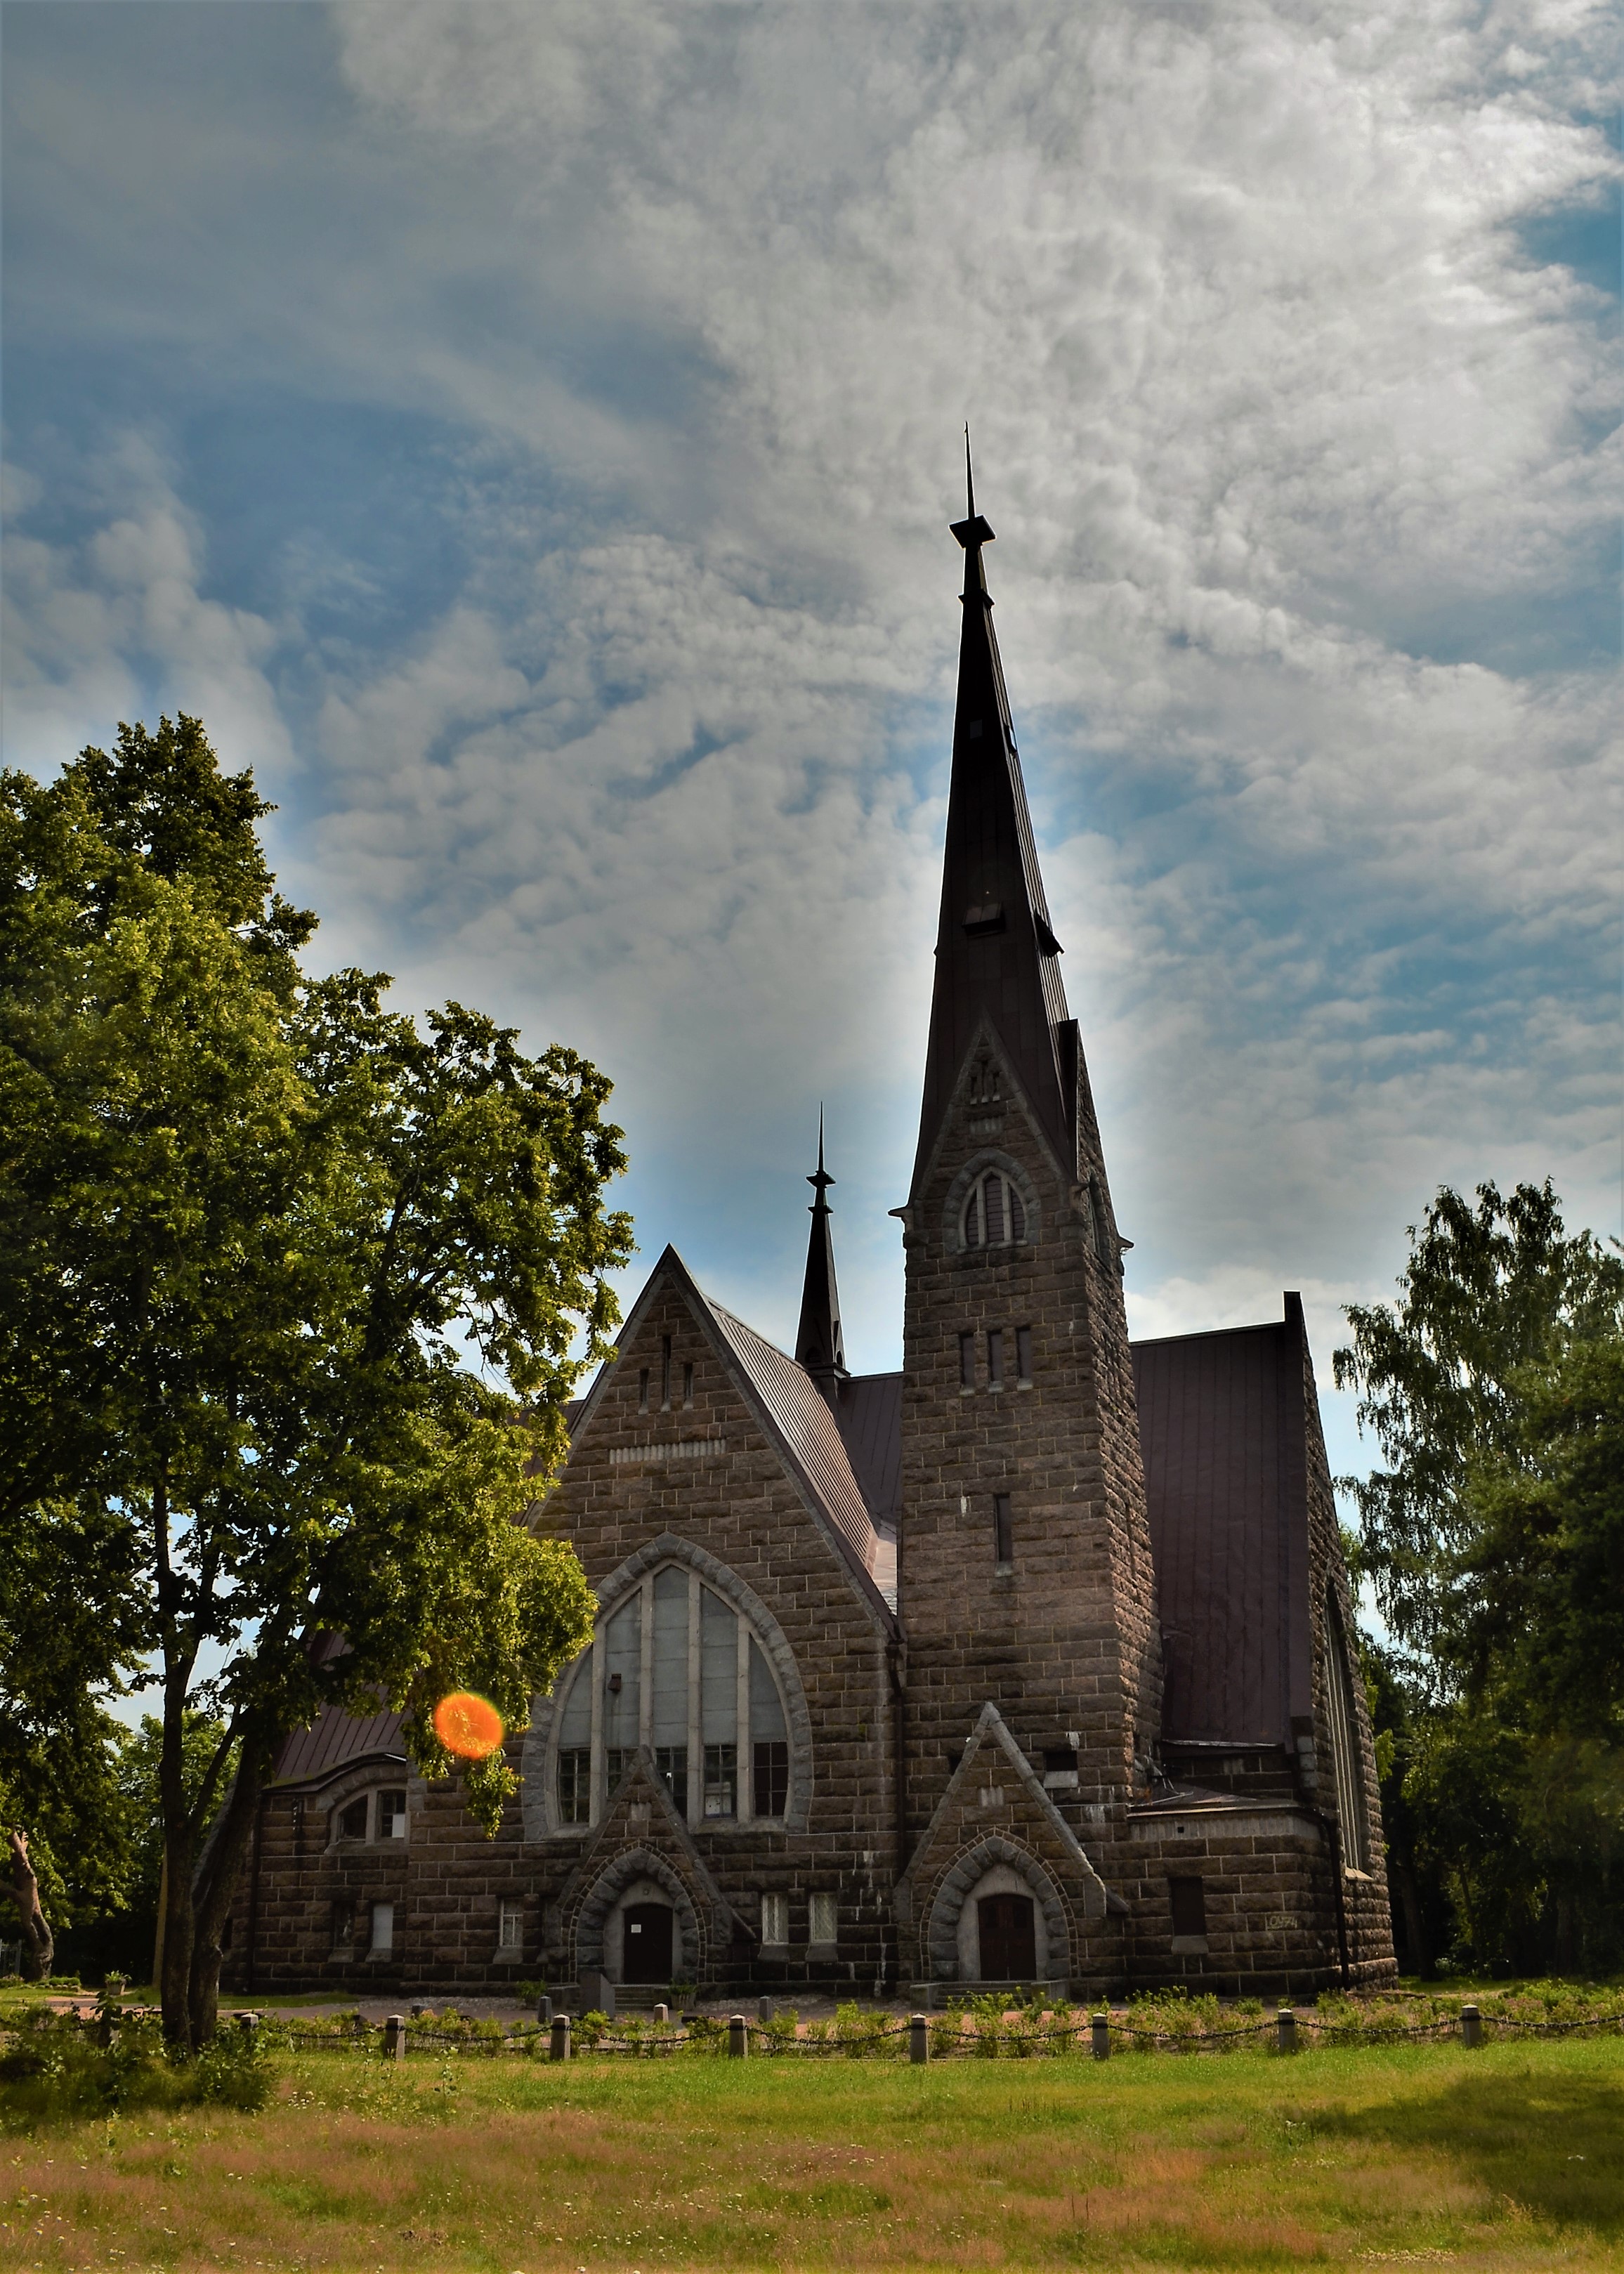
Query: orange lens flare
<point>468,1725</point>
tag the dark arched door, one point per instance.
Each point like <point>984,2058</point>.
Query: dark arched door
<point>646,1928</point>
<point>1007,1926</point>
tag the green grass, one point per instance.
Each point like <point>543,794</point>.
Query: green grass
<point>1511,2156</point>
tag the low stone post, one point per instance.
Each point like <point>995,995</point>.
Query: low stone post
<point>1285,2026</point>
<point>246,2022</point>
<point>544,2011</point>
<point>559,2048</point>
<point>764,2010</point>
<point>662,2014</point>
<point>394,2037</point>
<point>919,2040</point>
<point>1471,2026</point>
<point>1099,2032</point>
<point>738,2037</point>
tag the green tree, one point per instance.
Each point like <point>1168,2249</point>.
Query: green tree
<point>296,1293</point>
<point>1495,1539</point>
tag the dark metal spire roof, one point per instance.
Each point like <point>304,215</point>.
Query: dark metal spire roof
<point>998,959</point>
<point>819,1345</point>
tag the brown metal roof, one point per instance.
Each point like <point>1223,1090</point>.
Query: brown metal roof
<point>870,1413</point>
<point>334,1738</point>
<point>1222,1425</point>
<point>807,1432</point>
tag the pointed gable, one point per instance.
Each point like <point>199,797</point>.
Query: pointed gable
<point>793,1416</point>
<point>998,959</point>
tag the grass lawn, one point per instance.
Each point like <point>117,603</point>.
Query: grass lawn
<point>1512,2156</point>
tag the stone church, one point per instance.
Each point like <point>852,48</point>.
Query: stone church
<point>1030,1664</point>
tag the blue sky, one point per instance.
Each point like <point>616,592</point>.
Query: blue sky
<point>526,435</point>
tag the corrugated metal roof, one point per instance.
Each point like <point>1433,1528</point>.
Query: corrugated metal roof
<point>807,1430</point>
<point>334,1738</point>
<point>1220,1415</point>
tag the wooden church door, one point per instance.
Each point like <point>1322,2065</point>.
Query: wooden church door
<point>647,1928</point>
<point>1008,1933</point>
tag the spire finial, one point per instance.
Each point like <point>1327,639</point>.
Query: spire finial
<point>823,1180</point>
<point>972,531</point>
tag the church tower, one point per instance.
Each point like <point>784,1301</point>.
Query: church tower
<point>1026,1576</point>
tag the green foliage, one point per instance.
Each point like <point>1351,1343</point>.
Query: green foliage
<point>56,2068</point>
<point>292,1296</point>
<point>1494,1538</point>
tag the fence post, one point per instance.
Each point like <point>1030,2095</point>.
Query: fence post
<point>394,2037</point>
<point>764,2010</point>
<point>919,2039</point>
<point>1099,2032</point>
<point>1471,2026</point>
<point>559,2048</point>
<point>544,2010</point>
<point>738,2037</point>
<point>246,2022</point>
<point>1285,2026</point>
<point>662,2014</point>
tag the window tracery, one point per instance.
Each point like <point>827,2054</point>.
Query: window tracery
<point>993,1213</point>
<point>680,1671</point>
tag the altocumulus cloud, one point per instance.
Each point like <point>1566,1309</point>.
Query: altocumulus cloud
<point>602,663</point>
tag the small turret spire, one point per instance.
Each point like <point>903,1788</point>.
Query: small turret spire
<point>819,1344</point>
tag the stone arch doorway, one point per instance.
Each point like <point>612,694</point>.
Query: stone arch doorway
<point>986,1906</point>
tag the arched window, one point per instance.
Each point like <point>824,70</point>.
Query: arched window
<point>1345,1763</point>
<point>678,1669</point>
<point>370,1816</point>
<point>993,1213</point>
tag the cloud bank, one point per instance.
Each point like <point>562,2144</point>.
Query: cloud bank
<point>527,435</point>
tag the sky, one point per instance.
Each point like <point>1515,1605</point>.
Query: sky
<point>526,435</point>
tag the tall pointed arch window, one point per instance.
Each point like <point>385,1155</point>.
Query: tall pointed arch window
<point>994,1215</point>
<point>1345,1762</point>
<point>675,1668</point>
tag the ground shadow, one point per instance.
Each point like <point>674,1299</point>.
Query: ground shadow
<point>1553,2144</point>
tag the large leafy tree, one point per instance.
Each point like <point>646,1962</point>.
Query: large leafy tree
<point>1494,1535</point>
<point>292,1294</point>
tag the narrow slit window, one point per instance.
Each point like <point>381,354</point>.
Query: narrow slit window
<point>1003,1529</point>
<point>510,1924</point>
<point>1023,1353</point>
<point>994,1357</point>
<point>344,1928</point>
<point>688,1383</point>
<point>966,1361</point>
<point>1189,1900</point>
<point>664,1373</point>
<point>383,1930</point>
<point>775,1919</point>
<point>643,1390</point>
<point>823,1919</point>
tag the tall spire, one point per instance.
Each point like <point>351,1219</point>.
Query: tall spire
<point>998,959</point>
<point>819,1345</point>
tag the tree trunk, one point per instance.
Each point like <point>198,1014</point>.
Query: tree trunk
<point>215,1890</point>
<point>38,1943</point>
<point>175,1927</point>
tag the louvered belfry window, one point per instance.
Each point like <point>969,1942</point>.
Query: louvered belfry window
<point>994,1215</point>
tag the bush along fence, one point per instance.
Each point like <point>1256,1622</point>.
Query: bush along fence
<point>984,2028</point>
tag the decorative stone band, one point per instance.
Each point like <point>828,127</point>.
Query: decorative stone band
<point>681,1448</point>
<point>1227,1824</point>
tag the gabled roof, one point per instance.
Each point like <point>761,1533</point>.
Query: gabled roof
<point>1228,1438</point>
<point>795,1416</point>
<point>869,1414</point>
<point>998,959</point>
<point>335,1740</point>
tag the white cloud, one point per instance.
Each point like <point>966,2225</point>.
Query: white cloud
<point>1300,461</point>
